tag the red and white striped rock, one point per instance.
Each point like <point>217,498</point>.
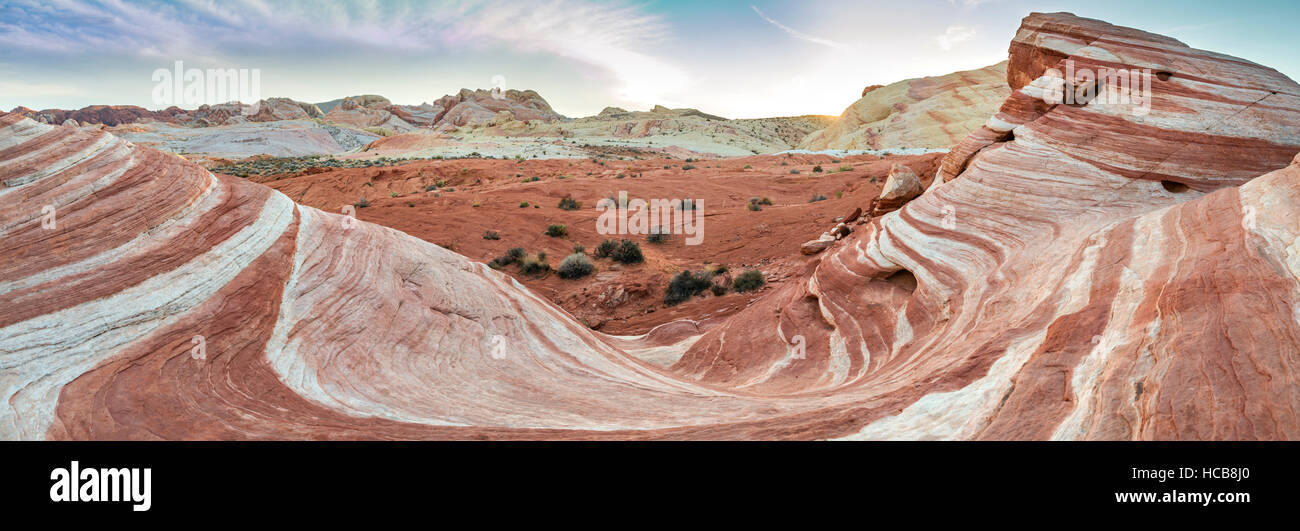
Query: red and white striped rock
<point>1052,287</point>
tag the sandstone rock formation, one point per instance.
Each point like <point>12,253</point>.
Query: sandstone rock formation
<point>100,114</point>
<point>1057,284</point>
<point>369,101</point>
<point>481,107</point>
<point>929,112</point>
<point>902,185</point>
<point>274,109</point>
<point>369,112</point>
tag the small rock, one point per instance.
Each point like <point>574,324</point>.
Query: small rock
<point>815,246</point>
<point>841,231</point>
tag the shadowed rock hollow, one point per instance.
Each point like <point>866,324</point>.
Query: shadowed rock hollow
<point>1080,272</point>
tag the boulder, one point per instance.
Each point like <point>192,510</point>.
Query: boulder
<point>901,186</point>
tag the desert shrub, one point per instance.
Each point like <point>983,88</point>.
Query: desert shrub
<point>750,280</point>
<point>379,131</point>
<point>817,168</point>
<point>657,237</point>
<point>606,248</point>
<point>534,265</point>
<point>628,252</point>
<point>569,203</point>
<point>754,207</point>
<point>579,248</point>
<point>765,201</point>
<point>688,167</point>
<point>718,289</point>
<point>794,172</point>
<point>556,230</point>
<point>523,204</point>
<point>511,256</point>
<point>392,194</point>
<point>361,203</point>
<point>846,168</point>
<point>816,197</point>
<point>491,235</point>
<point>576,265</point>
<point>685,285</point>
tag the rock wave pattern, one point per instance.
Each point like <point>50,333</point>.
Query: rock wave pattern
<point>1077,273</point>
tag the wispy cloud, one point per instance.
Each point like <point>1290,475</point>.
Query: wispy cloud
<point>618,39</point>
<point>796,33</point>
<point>19,89</point>
<point>954,35</point>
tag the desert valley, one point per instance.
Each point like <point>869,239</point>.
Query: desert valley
<point>953,257</point>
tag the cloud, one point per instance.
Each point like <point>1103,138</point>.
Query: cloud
<point>615,38</point>
<point>954,35</point>
<point>796,33</point>
<point>19,89</point>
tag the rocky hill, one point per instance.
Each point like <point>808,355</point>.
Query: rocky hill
<point>929,112</point>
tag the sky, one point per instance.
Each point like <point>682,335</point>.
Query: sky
<point>738,59</point>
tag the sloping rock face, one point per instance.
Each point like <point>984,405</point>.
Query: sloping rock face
<point>181,305</point>
<point>929,112</point>
<point>1053,287</point>
<point>1045,291</point>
